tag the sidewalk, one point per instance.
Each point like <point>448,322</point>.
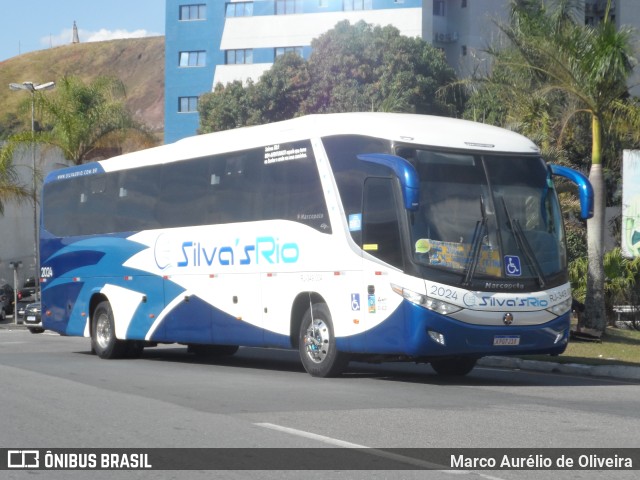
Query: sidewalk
<point>622,372</point>
<point>9,325</point>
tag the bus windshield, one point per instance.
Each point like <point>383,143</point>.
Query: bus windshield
<point>486,216</point>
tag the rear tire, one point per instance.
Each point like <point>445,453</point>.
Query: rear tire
<point>36,330</point>
<point>103,334</point>
<point>454,367</point>
<point>317,344</point>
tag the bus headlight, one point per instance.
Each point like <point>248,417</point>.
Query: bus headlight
<point>439,306</point>
<point>561,308</point>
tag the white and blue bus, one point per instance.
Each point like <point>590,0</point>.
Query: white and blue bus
<point>358,236</point>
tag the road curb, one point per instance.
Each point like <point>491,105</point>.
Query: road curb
<point>611,371</point>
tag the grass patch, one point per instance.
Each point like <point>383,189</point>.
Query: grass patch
<point>618,347</point>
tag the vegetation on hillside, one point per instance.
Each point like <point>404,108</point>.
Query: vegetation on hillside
<point>137,63</point>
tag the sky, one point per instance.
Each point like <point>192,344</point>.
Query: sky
<point>29,25</point>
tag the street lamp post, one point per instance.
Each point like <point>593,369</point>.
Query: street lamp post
<point>15,266</point>
<point>33,88</point>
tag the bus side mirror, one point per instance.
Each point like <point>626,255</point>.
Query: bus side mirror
<point>406,173</point>
<point>585,189</point>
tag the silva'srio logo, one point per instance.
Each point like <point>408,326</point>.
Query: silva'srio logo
<point>265,250</point>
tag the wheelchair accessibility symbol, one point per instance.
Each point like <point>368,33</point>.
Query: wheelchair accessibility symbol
<point>512,265</point>
<point>355,302</point>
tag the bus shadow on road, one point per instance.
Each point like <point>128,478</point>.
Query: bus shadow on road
<point>280,360</point>
<point>253,358</point>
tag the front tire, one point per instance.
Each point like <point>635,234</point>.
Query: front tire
<point>454,367</point>
<point>103,334</point>
<point>317,344</point>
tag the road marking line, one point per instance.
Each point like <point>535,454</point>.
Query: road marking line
<point>372,451</point>
<point>313,436</point>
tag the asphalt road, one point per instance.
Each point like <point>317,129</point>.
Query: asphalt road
<point>55,394</point>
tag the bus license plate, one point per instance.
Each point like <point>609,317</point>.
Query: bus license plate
<point>499,340</point>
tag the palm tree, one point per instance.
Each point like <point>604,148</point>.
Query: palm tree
<point>82,118</point>
<point>88,117</point>
<point>10,189</point>
<point>570,70</point>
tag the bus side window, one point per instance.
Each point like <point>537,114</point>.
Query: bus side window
<point>292,190</point>
<point>234,187</point>
<point>136,198</point>
<point>64,209</point>
<point>184,188</point>
<point>380,226</point>
<point>95,212</point>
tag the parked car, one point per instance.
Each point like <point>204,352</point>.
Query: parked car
<point>20,309</point>
<point>33,318</point>
<point>28,290</point>
<point>6,301</point>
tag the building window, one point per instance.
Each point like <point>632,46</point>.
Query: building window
<point>193,12</point>
<point>193,59</point>
<point>323,3</point>
<point>237,57</point>
<point>239,9</point>
<point>438,8</point>
<point>464,50</point>
<point>187,104</point>
<point>282,50</point>
<point>286,7</point>
<point>350,5</point>
<point>464,4</point>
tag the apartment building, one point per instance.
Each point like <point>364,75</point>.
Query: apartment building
<point>211,41</point>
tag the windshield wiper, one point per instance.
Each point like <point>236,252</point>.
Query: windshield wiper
<point>474,252</point>
<point>523,245</point>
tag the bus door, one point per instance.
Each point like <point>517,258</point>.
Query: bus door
<point>380,239</point>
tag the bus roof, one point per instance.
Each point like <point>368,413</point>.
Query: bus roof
<point>406,128</point>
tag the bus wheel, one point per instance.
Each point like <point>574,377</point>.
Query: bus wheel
<point>454,367</point>
<point>317,344</point>
<point>103,334</point>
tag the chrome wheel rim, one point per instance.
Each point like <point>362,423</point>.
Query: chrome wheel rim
<point>103,330</point>
<point>316,341</point>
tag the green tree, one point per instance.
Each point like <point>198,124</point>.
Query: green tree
<point>281,89</point>
<point>362,67</point>
<point>620,278</point>
<point>276,96</point>
<point>79,118</point>
<point>351,68</point>
<point>560,71</point>
<point>226,107</point>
